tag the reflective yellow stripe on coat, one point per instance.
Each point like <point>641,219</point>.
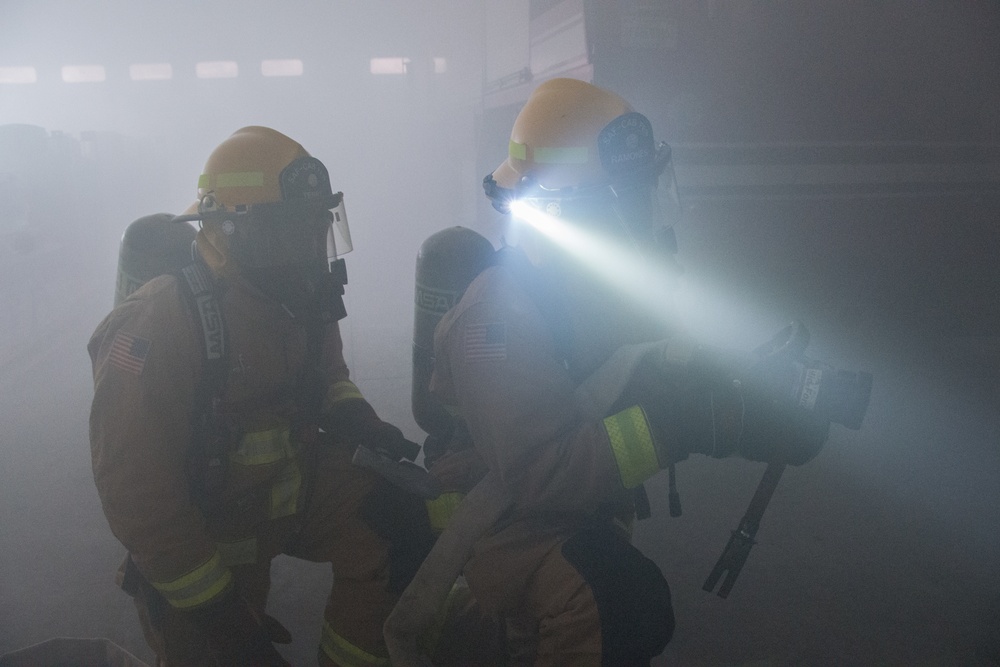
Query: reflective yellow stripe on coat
<point>632,445</point>
<point>197,586</point>
<point>346,654</point>
<point>342,391</point>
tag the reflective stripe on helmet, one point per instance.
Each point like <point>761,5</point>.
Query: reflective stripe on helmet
<point>239,179</point>
<point>632,446</point>
<point>550,154</point>
<point>197,586</point>
<point>344,653</point>
<point>561,155</point>
<point>517,151</point>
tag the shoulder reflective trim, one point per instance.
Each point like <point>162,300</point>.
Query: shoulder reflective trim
<point>236,179</point>
<point>517,151</point>
<point>343,390</point>
<point>441,509</point>
<point>243,552</point>
<point>632,445</point>
<point>285,491</point>
<point>568,155</point>
<point>346,654</point>
<point>198,586</point>
<point>263,447</point>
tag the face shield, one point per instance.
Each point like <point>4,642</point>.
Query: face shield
<point>280,234</point>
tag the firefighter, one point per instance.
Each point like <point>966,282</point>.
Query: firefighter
<point>224,420</point>
<point>530,331</point>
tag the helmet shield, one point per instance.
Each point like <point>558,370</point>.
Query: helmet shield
<point>308,223</point>
<point>278,235</point>
<point>338,241</point>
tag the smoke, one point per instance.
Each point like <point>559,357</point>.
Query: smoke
<point>796,208</point>
<point>400,146</point>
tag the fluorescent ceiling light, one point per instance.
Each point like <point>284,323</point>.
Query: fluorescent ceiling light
<point>389,65</point>
<point>440,65</point>
<point>18,75</point>
<point>281,67</point>
<point>217,69</point>
<point>151,72</point>
<point>83,73</point>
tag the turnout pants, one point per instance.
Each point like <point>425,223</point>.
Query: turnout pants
<point>572,596</point>
<point>334,527</point>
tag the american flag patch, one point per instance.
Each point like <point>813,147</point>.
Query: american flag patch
<point>129,352</point>
<point>486,342</point>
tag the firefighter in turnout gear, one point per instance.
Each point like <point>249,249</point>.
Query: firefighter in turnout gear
<point>224,421</point>
<point>529,333</point>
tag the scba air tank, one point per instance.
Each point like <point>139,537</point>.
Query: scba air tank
<point>447,262</point>
<point>151,246</point>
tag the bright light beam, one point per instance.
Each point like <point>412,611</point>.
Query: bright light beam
<point>651,286</point>
<point>673,301</point>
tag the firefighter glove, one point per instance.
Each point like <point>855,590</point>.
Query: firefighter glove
<point>775,430</point>
<point>354,422</point>
<point>693,419</point>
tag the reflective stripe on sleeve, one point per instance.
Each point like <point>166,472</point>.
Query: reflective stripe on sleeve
<point>441,509</point>
<point>197,586</point>
<point>632,445</point>
<point>342,390</point>
<point>344,653</point>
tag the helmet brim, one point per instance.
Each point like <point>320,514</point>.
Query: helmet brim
<point>506,176</point>
<point>190,214</point>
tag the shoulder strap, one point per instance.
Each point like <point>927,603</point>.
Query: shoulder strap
<point>208,441</point>
<point>199,287</point>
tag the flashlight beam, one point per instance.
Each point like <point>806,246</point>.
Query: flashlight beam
<point>636,276</point>
<point>673,300</point>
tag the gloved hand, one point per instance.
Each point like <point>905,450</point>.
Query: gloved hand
<point>722,419</point>
<point>353,421</point>
<point>775,430</point>
<point>692,418</point>
<point>234,635</point>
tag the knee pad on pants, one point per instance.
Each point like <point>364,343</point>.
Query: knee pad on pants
<point>633,598</point>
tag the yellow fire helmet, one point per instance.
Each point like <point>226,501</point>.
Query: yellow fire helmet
<point>264,201</point>
<point>582,154</point>
<point>572,137</point>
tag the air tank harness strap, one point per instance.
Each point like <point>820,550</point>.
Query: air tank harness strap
<point>209,437</point>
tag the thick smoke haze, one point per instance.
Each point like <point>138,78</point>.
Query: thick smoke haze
<point>838,163</point>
